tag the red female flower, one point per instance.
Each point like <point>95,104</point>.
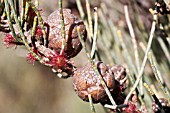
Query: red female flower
<point>132,108</point>
<point>30,58</point>
<point>9,40</point>
<point>38,32</point>
<point>58,61</point>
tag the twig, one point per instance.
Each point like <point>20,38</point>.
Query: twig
<point>164,48</point>
<point>89,18</point>
<point>95,68</point>
<point>37,3</point>
<point>10,20</point>
<point>157,75</point>
<point>127,55</point>
<point>64,44</point>
<point>40,20</point>
<point>23,12</point>
<point>117,106</point>
<point>34,26</point>
<point>80,8</point>
<point>160,67</point>
<point>26,11</point>
<point>135,47</point>
<point>21,32</point>
<point>145,57</point>
<point>133,37</point>
<point>82,15</point>
<point>95,32</point>
<point>91,104</point>
<point>154,97</point>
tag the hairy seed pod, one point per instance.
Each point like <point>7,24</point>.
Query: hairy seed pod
<point>55,35</point>
<point>86,81</point>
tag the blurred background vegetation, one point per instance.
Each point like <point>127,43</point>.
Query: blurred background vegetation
<point>27,88</point>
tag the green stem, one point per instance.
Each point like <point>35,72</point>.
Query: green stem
<point>64,44</point>
<point>40,20</point>
<point>145,57</point>
<point>21,31</point>
<point>95,69</point>
<point>10,20</point>
<point>154,97</point>
<point>95,33</point>
<point>157,75</point>
<point>91,104</point>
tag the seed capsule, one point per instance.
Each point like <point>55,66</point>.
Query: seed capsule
<point>55,35</point>
<point>86,81</point>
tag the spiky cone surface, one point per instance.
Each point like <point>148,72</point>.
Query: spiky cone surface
<point>86,81</point>
<point>55,35</point>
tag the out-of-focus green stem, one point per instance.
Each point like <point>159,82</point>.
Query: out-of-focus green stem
<point>154,97</point>
<point>10,20</point>
<point>95,32</point>
<point>91,104</point>
<point>164,48</point>
<point>126,53</point>
<point>23,12</point>
<point>89,18</point>
<point>145,57</point>
<point>21,31</point>
<point>40,20</point>
<point>64,44</point>
<point>36,3</point>
<point>95,68</point>
<point>80,8</point>
<point>158,76</point>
